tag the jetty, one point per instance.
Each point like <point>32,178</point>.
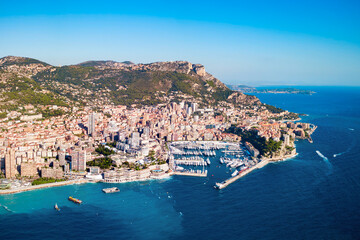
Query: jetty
<point>191,162</point>
<point>191,173</point>
<point>227,182</point>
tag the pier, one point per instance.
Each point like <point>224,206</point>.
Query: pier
<point>190,162</point>
<point>191,173</point>
<point>227,182</point>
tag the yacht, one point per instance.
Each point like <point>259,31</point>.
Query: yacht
<point>234,173</point>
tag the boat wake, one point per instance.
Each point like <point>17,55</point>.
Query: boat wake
<point>321,155</point>
<point>326,160</point>
<point>6,208</point>
<point>347,150</point>
<point>338,154</point>
<point>351,129</point>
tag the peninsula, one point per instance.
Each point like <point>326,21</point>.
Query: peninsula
<point>119,121</point>
<point>274,90</point>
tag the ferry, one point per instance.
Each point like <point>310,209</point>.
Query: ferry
<point>75,200</point>
<point>56,207</point>
<point>111,190</point>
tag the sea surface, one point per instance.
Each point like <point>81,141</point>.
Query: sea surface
<point>315,195</point>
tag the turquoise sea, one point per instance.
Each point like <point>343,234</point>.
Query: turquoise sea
<point>308,197</point>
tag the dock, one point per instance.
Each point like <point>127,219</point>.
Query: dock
<point>190,162</point>
<point>193,174</point>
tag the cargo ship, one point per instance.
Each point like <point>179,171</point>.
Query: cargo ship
<point>75,200</point>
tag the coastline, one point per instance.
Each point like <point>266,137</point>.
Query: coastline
<point>71,182</point>
<point>227,182</point>
<point>46,185</point>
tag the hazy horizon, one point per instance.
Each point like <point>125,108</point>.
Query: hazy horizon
<point>239,43</point>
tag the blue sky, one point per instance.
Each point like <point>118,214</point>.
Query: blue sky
<point>239,42</point>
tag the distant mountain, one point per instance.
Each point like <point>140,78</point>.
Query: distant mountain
<point>108,82</point>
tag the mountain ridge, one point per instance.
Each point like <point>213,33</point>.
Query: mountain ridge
<point>125,83</point>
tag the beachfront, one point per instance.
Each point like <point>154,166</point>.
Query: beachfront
<point>185,158</point>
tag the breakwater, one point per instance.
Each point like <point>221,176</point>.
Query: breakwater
<point>227,182</point>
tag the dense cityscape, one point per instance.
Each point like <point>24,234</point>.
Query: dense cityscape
<point>120,143</point>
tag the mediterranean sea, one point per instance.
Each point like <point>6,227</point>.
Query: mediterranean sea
<point>315,195</point>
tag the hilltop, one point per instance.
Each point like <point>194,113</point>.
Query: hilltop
<point>109,82</point>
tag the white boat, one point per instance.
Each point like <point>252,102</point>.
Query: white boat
<point>208,161</point>
<point>179,168</point>
<point>56,207</point>
<point>234,173</point>
<point>111,190</point>
<point>219,185</point>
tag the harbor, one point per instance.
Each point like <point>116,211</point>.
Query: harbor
<point>229,160</point>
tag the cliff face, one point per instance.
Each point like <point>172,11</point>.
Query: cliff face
<point>106,82</point>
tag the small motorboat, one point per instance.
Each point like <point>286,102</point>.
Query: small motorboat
<point>56,207</point>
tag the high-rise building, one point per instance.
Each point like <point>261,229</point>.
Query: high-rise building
<point>194,107</point>
<point>188,111</point>
<point>28,169</point>
<point>62,158</point>
<point>10,163</point>
<point>91,124</point>
<point>286,140</point>
<point>78,161</point>
<point>135,139</point>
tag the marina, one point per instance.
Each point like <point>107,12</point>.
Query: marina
<point>187,157</point>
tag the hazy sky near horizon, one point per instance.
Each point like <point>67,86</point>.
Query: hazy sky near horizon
<point>239,42</point>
